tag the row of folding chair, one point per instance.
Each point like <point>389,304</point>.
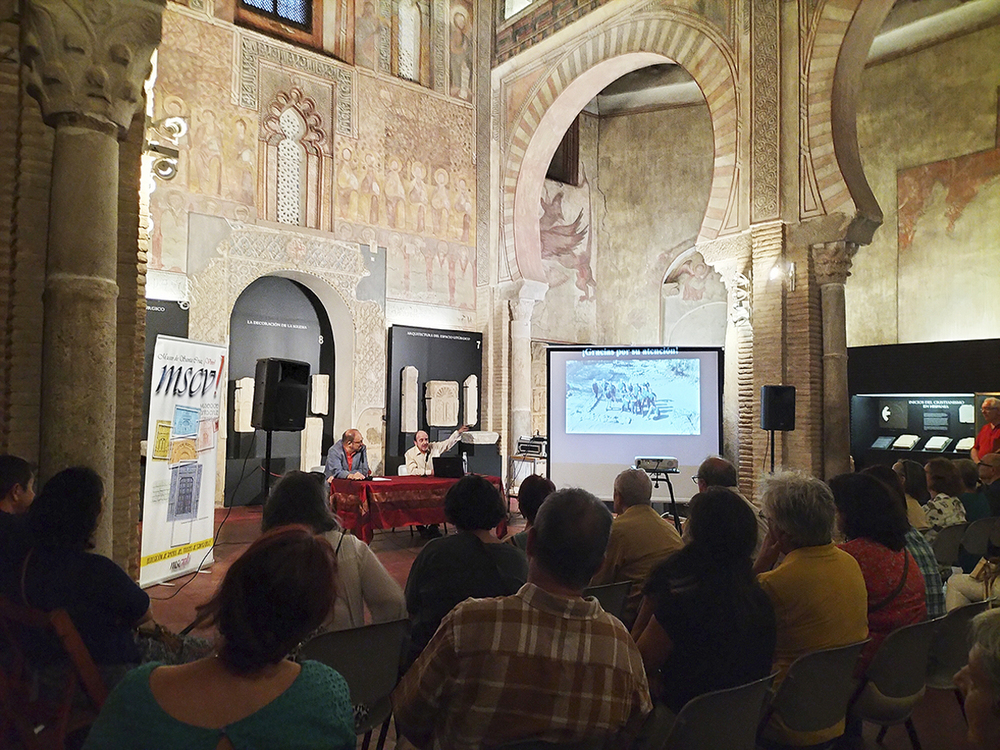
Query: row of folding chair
<point>818,691</point>
<point>966,541</point>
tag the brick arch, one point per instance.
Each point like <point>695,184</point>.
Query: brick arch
<point>585,68</point>
<point>842,34</point>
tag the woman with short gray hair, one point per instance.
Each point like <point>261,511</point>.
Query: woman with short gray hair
<point>979,682</point>
<point>817,590</point>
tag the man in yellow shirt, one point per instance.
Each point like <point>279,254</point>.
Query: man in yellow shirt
<point>640,539</point>
<point>818,592</point>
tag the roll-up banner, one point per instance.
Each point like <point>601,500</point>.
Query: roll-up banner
<point>178,512</point>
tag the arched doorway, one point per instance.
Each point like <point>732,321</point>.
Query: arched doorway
<point>282,318</point>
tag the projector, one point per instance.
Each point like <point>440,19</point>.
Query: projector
<point>662,464</point>
<point>532,446</point>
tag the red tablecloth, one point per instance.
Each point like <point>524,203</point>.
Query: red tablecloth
<point>364,506</point>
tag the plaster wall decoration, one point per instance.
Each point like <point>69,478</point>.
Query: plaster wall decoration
<point>441,403</point>
<point>195,59</point>
<point>439,44</point>
<point>311,444</point>
<point>809,199</point>
<point>632,37</point>
<point>421,269</point>
<point>470,400</point>
<point>764,107</point>
<point>255,49</point>
<point>371,424</point>
<point>385,38</point>
<point>294,153</point>
<point>409,394</point>
<point>252,252</point>
<point>319,393</point>
<point>75,65</point>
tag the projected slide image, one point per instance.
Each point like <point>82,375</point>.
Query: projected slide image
<point>633,396</point>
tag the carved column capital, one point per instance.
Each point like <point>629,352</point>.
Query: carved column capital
<point>86,60</point>
<point>832,261</point>
<point>521,308</point>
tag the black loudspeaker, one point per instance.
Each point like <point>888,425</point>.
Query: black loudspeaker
<point>777,407</point>
<point>280,395</point>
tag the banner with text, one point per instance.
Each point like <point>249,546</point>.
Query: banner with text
<point>178,511</point>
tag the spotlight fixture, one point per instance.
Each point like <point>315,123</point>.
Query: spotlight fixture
<point>784,271</point>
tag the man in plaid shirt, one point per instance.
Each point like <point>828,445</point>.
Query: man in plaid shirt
<point>544,663</point>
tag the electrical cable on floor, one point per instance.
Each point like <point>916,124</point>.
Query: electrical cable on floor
<point>218,531</point>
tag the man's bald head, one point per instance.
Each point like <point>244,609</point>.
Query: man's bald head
<point>353,442</point>
<point>633,487</point>
<point>989,468</point>
<point>716,471</point>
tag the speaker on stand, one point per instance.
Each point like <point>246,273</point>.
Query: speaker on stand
<point>280,397</point>
<point>777,411</point>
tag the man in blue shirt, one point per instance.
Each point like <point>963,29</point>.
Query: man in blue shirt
<point>347,458</point>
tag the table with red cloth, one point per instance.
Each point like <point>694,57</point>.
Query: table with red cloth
<point>386,503</point>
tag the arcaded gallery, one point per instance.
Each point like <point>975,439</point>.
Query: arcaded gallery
<point>400,243</point>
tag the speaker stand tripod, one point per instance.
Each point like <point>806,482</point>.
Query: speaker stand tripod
<point>772,451</point>
<point>266,479</point>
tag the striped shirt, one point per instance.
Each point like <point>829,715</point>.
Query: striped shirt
<point>530,665</point>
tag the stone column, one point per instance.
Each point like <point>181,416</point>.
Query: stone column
<point>832,266</point>
<point>85,62</point>
<point>522,304</point>
<point>520,367</point>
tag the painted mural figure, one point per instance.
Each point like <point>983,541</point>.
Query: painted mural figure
<point>206,175</point>
<point>370,189</point>
<point>395,194</point>
<point>239,164</point>
<point>347,187</point>
<point>463,208</point>
<point>562,241</point>
<point>418,196</point>
<point>441,203</point>
<point>460,52</point>
<point>366,34</point>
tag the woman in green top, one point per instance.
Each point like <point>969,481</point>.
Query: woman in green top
<point>248,694</point>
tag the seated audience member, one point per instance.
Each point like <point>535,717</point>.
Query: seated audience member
<point>875,528</point>
<point>300,498</point>
<point>979,682</point>
<point>976,505</point>
<point>532,491</point>
<point>543,664</point>
<point>989,474</point>
<point>914,481</point>
<point>818,591</point>
<point>639,541</point>
<point>347,458</point>
<point>17,491</point>
<point>944,508</point>
<point>716,471</point>
<point>249,694</point>
<point>711,625</point>
<point>17,485</point>
<point>58,571</point>
<point>471,563</point>
<point>915,543</point>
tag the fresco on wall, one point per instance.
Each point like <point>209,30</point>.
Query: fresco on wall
<point>933,198</point>
<point>461,49</point>
<point>694,300</point>
<point>414,183</point>
<point>947,217</point>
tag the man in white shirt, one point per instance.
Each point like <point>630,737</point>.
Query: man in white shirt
<point>419,459</point>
